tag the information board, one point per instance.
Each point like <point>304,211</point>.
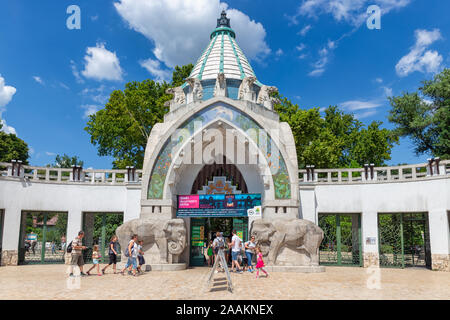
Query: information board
<point>219,205</point>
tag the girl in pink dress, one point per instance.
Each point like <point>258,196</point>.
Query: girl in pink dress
<point>260,263</point>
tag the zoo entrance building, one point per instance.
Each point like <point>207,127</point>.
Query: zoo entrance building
<point>222,160</point>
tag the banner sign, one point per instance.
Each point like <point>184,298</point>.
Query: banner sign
<point>219,205</point>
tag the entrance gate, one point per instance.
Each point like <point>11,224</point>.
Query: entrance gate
<point>42,238</point>
<point>203,230</point>
<point>341,245</point>
<point>404,240</point>
<point>98,230</point>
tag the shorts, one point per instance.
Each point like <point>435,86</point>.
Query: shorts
<point>141,260</point>
<point>112,259</point>
<point>234,255</point>
<point>216,250</point>
<point>95,261</point>
<point>77,259</point>
<point>131,262</point>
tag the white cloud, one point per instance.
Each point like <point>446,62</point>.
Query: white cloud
<point>379,80</point>
<point>302,56</point>
<point>101,64</point>
<point>349,11</point>
<point>319,65</point>
<point>38,80</point>
<point>354,105</point>
<point>365,114</point>
<point>75,72</point>
<point>97,95</point>
<point>6,128</point>
<point>63,85</point>
<point>156,69</point>
<point>187,25</point>
<point>387,91</point>
<point>50,154</point>
<point>279,52</point>
<point>419,58</point>
<point>305,30</point>
<point>6,92</point>
<point>300,47</point>
<point>89,110</point>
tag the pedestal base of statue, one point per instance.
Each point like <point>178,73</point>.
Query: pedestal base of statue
<point>165,267</point>
<point>298,269</point>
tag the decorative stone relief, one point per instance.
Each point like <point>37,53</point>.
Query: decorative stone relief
<point>179,98</point>
<point>220,89</point>
<point>264,97</point>
<point>246,91</point>
<point>219,185</point>
<point>195,90</point>
<point>168,235</point>
<point>298,240</point>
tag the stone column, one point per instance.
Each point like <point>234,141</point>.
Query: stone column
<point>439,239</point>
<point>308,210</point>
<point>74,224</point>
<point>11,234</point>
<point>369,229</point>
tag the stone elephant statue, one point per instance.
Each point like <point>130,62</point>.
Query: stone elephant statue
<point>299,235</point>
<point>169,236</point>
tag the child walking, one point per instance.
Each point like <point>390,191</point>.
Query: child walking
<point>95,261</point>
<point>112,251</point>
<point>140,256</point>
<point>260,263</point>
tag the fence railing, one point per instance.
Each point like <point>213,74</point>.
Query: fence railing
<point>73,175</point>
<point>435,168</point>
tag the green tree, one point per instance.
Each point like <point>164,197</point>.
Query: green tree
<point>122,128</point>
<point>424,116</point>
<point>12,148</point>
<point>66,161</point>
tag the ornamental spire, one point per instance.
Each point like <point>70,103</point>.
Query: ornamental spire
<point>223,21</point>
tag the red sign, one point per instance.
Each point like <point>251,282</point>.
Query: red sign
<point>188,202</point>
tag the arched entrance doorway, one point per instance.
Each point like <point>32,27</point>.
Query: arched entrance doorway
<point>216,179</point>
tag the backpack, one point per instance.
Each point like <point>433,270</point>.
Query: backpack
<point>69,247</point>
<point>126,253</point>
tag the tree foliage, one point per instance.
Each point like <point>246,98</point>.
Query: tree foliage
<point>66,161</point>
<point>336,140</point>
<point>122,128</point>
<point>424,116</point>
<point>12,148</point>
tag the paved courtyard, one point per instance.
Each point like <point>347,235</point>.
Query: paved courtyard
<point>51,282</point>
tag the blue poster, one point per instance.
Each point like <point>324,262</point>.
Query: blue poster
<point>218,205</point>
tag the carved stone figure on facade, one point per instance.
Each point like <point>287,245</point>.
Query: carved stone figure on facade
<point>179,98</point>
<point>195,90</point>
<point>168,235</point>
<point>265,98</point>
<point>246,91</point>
<point>302,236</point>
<point>221,86</point>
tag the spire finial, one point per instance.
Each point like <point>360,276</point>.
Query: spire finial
<point>223,21</point>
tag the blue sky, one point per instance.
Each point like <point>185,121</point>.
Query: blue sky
<point>318,53</point>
